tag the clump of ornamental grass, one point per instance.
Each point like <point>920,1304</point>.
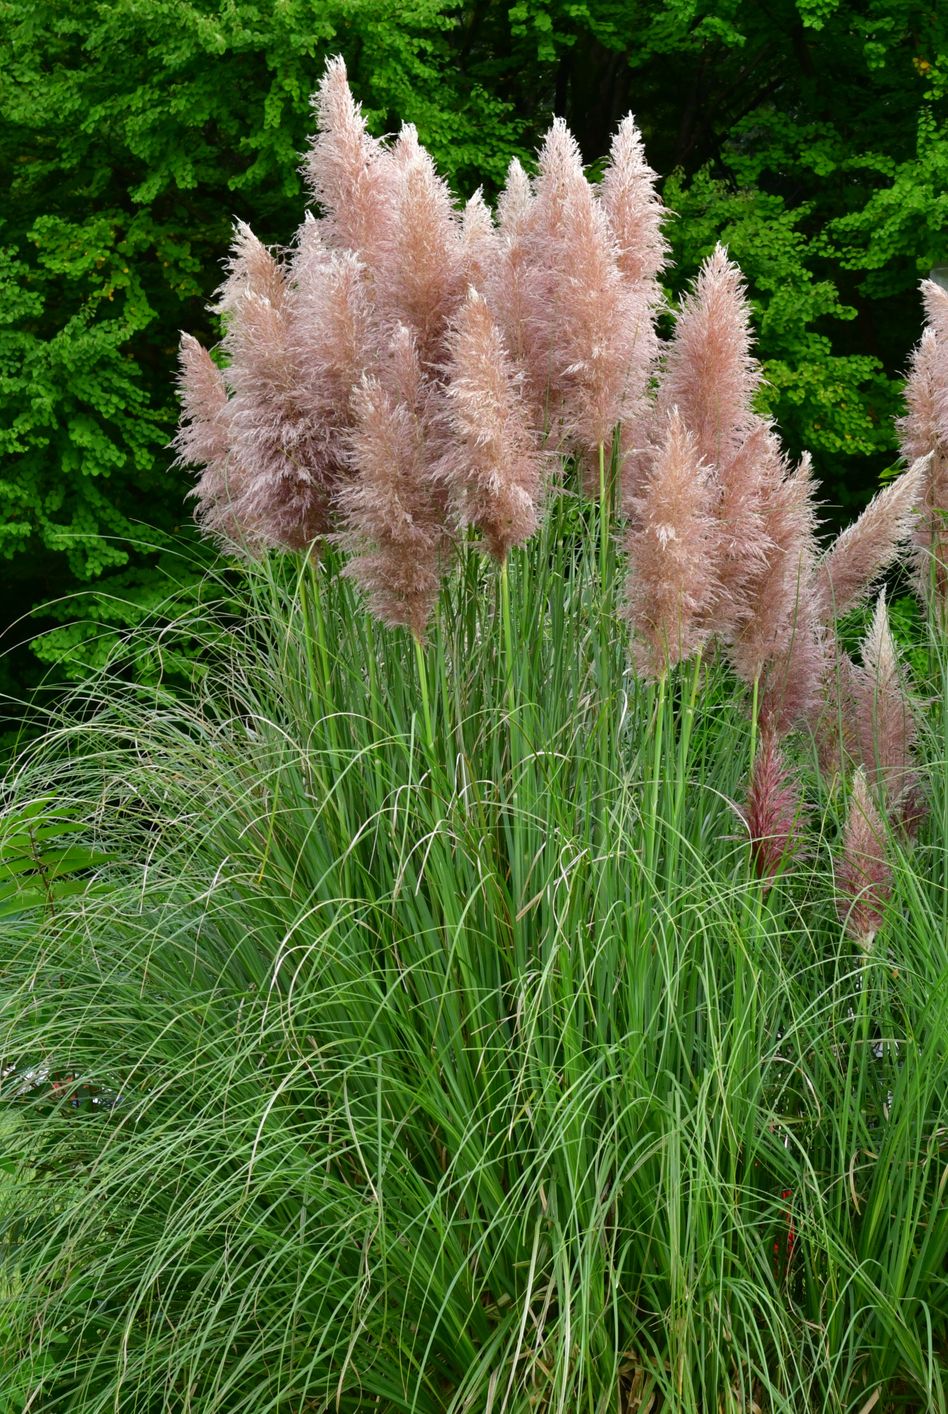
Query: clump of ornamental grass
<point>365,1068</point>
<point>396,1023</point>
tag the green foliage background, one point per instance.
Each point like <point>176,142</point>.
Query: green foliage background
<point>810,135</point>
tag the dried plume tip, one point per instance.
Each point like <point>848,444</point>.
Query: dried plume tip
<point>672,549</point>
<point>492,465</point>
<point>864,875</point>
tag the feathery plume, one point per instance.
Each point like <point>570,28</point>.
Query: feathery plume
<point>332,330</point>
<point>793,683</point>
<point>202,439</point>
<point>635,213</point>
<point>492,466</point>
<point>834,729</point>
<point>394,517</point>
<point>480,243</point>
<point>349,172</point>
<point>278,486</point>
<point>777,606</point>
<point>420,269</point>
<point>592,331</point>
<point>772,812</point>
<point>710,374</point>
<point>924,431</point>
<point>852,565</point>
<point>251,269</point>
<point>884,727</point>
<point>507,284</point>
<point>671,545</point>
<point>202,436</point>
<point>863,875</point>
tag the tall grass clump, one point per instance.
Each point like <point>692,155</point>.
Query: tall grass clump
<point>529,994</point>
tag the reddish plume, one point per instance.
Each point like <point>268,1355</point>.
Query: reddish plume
<point>773,810</point>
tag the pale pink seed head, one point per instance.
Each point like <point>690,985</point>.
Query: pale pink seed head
<point>492,465</point>
<point>863,874</point>
<point>710,374</point>
<point>671,544</point>
<point>633,207</point>
<point>884,724</point>
<point>852,566</point>
<point>349,172</point>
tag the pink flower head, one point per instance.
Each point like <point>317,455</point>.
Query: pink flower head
<point>492,465</point>
<point>772,812</point>
<point>394,515</point>
<point>924,432</point>
<point>420,276</point>
<point>635,213</point>
<point>350,173</point>
<point>884,726</point>
<point>863,875</point>
<point>671,544</point>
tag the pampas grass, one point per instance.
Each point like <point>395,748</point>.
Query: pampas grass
<point>402,1025</point>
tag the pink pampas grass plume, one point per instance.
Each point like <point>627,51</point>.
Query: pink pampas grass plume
<point>507,283</point>
<point>251,269</point>
<point>635,213</point>
<point>671,544</point>
<point>777,608</point>
<point>773,809</point>
<point>492,467</point>
<point>349,172</point>
<point>332,331</point>
<point>710,374</point>
<point>851,567</point>
<point>420,277</point>
<point>924,431</point>
<point>592,330</point>
<point>276,493</point>
<point>884,725</point>
<point>202,436</point>
<point>394,517</point>
<point>863,874</point>
<point>480,242</point>
<point>202,439</point>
